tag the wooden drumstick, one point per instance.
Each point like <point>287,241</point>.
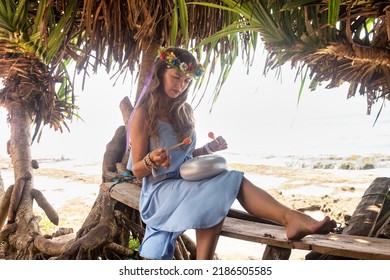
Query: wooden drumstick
<point>186,141</point>
<point>212,136</point>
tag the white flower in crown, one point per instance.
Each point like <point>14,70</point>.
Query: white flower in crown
<point>183,66</point>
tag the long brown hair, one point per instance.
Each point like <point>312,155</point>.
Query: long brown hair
<point>180,114</point>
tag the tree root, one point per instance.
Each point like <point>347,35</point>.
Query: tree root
<point>16,196</point>
<point>52,247</point>
<point>4,205</point>
<point>120,249</point>
<point>46,206</point>
<point>8,229</point>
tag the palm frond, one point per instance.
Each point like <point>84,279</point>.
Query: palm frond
<point>337,40</point>
<point>33,48</point>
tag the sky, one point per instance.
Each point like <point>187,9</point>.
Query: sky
<point>257,115</point>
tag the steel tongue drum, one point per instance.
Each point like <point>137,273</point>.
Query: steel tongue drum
<point>202,167</point>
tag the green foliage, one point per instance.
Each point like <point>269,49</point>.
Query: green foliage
<point>317,37</point>
<point>46,226</point>
<point>180,15</point>
<point>333,14</point>
<point>36,29</point>
<point>134,243</point>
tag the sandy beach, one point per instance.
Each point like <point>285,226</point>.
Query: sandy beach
<point>72,186</point>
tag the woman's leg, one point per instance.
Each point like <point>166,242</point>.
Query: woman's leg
<point>261,204</point>
<point>206,241</point>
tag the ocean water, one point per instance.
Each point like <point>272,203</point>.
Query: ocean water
<point>269,125</point>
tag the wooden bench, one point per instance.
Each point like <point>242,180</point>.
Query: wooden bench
<point>341,245</point>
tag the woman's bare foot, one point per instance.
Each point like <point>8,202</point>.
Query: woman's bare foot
<point>299,225</point>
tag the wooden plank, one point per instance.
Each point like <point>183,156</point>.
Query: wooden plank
<point>126,193</point>
<point>333,244</point>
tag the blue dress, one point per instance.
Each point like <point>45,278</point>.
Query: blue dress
<point>169,205</point>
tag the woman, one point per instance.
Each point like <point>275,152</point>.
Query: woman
<point>169,205</point>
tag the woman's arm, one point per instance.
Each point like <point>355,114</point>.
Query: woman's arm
<point>139,138</point>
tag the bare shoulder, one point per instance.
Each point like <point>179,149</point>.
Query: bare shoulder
<point>140,115</point>
<point>140,111</point>
<point>139,125</point>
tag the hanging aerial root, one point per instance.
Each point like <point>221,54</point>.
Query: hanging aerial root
<point>46,206</point>
<point>4,205</point>
<point>16,196</point>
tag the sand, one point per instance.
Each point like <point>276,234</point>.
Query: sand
<point>72,187</point>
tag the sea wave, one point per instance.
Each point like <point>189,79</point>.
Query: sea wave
<point>350,162</point>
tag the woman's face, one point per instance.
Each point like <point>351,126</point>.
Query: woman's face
<point>175,82</point>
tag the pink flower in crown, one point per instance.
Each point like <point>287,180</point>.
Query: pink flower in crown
<point>190,68</point>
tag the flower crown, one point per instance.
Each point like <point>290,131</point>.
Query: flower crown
<point>170,58</point>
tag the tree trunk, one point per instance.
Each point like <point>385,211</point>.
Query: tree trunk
<point>21,224</point>
<point>149,51</point>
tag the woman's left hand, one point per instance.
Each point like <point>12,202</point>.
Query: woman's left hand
<point>218,144</point>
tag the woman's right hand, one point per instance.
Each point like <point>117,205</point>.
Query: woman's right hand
<point>161,157</point>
